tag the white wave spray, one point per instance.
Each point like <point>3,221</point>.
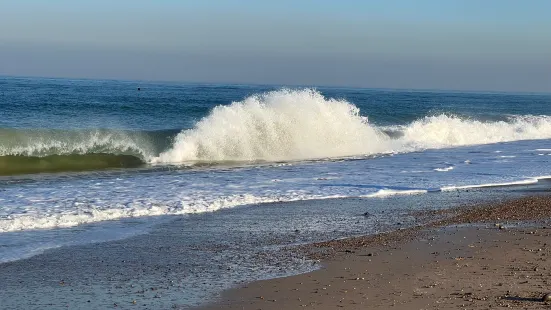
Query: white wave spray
<point>448,131</point>
<point>279,125</point>
<point>303,124</point>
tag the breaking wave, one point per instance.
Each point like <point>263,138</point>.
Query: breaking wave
<point>282,125</point>
<point>24,151</point>
<point>303,124</point>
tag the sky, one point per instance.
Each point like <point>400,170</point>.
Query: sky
<point>496,45</point>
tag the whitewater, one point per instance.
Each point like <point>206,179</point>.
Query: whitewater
<point>303,124</point>
<point>114,154</point>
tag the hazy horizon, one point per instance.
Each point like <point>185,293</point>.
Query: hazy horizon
<point>453,45</point>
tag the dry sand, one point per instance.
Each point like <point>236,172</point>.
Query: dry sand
<point>466,261</point>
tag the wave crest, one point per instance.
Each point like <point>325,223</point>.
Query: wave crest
<point>48,142</point>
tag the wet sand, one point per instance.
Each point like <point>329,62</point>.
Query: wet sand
<point>483,257</point>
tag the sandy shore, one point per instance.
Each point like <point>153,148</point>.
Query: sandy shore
<point>483,257</point>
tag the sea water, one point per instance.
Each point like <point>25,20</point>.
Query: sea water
<point>86,161</point>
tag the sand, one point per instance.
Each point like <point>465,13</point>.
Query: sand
<point>462,260</point>
<point>484,257</point>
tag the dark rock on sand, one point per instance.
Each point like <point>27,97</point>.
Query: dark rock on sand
<point>367,214</point>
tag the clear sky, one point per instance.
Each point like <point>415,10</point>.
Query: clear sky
<point>435,44</point>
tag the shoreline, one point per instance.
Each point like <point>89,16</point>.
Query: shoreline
<point>184,263</point>
<point>476,257</point>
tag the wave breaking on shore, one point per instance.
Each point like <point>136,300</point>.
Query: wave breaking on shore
<point>283,125</point>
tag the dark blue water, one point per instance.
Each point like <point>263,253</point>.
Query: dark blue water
<point>65,104</point>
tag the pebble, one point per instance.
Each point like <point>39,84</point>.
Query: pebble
<point>546,297</point>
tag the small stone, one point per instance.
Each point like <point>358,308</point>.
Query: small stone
<point>546,297</point>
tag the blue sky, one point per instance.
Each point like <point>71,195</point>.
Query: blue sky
<point>435,44</point>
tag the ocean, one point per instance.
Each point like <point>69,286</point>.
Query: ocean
<point>245,169</point>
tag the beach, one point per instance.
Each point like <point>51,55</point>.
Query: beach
<point>174,195</point>
<point>486,257</point>
<point>469,257</point>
